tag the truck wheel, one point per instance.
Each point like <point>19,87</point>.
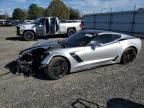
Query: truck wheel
<point>70,32</point>
<point>57,68</point>
<point>28,35</point>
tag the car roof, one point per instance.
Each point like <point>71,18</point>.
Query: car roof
<point>100,31</point>
<point>106,32</point>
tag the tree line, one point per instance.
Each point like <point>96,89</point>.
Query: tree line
<point>55,8</point>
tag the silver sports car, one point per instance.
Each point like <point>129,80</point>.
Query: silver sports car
<point>83,50</point>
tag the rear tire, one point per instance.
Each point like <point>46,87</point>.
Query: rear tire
<point>28,35</point>
<point>129,55</point>
<point>57,68</point>
<point>70,32</point>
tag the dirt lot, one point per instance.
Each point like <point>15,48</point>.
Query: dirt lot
<point>108,86</point>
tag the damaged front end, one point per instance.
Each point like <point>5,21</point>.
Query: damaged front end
<point>29,60</point>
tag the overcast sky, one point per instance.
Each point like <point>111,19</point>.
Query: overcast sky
<point>85,6</point>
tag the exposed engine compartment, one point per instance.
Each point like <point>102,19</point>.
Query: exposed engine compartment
<point>29,60</point>
<point>33,54</point>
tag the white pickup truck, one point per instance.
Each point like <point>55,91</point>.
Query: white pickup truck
<point>48,26</point>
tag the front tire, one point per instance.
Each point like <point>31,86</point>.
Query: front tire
<point>129,55</point>
<point>57,68</point>
<point>28,35</point>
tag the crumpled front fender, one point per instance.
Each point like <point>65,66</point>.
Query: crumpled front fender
<point>47,59</point>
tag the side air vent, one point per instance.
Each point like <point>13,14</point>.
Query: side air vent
<point>115,58</point>
<point>76,57</point>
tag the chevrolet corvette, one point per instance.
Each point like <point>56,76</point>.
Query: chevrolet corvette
<point>83,50</point>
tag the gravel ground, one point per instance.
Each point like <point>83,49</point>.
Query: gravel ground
<point>113,86</point>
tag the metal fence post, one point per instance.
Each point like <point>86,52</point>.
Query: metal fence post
<point>133,21</point>
<point>110,23</point>
<point>94,21</point>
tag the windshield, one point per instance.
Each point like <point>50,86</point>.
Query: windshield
<point>79,39</point>
<point>36,21</point>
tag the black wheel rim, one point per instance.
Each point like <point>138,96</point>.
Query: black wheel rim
<point>28,36</point>
<point>60,68</point>
<point>129,56</point>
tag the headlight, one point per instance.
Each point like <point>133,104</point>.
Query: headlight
<point>22,27</point>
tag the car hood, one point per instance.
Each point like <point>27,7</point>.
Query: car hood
<point>26,25</point>
<point>47,45</point>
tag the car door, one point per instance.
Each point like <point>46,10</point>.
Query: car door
<point>105,50</point>
<point>54,25</point>
<point>41,27</point>
<point>47,26</point>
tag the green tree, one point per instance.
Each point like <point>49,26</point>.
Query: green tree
<point>58,8</point>
<point>4,16</point>
<point>41,11</point>
<point>35,11</point>
<point>74,14</point>
<point>18,14</point>
<point>26,13</point>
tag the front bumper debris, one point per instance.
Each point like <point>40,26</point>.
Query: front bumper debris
<point>24,67</point>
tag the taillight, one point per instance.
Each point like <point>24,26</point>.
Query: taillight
<point>82,25</point>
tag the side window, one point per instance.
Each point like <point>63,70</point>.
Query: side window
<point>115,37</point>
<point>106,38</point>
<point>53,20</point>
<point>41,21</point>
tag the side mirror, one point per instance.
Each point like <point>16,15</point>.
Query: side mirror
<point>40,25</point>
<point>94,44</point>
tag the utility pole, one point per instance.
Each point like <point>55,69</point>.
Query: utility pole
<point>135,7</point>
<point>111,9</point>
<point>82,14</point>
